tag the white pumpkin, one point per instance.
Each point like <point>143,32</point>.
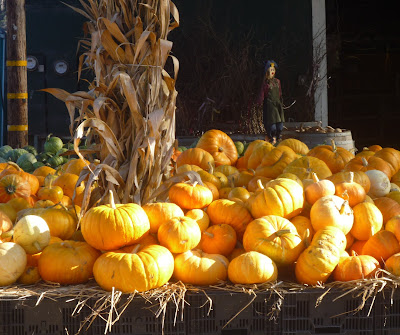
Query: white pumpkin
<point>12,262</point>
<point>32,233</point>
<point>380,183</point>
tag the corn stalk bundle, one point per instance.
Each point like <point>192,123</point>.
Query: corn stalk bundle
<point>127,117</point>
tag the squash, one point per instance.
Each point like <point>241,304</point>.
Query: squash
<point>12,262</point>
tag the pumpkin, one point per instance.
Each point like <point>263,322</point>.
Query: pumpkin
<point>296,145</point>
<point>281,196</point>
<point>214,190</point>
<point>318,189</point>
<point>349,240</point>
<point>380,183</point>
<point>142,243</point>
<point>249,151</point>
<point>222,178</point>
<point>227,170</point>
<point>252,268</point>
<point>303,168</point>
<point>335,157</point>
<point>367,163</point>
<point>368,220</point>
<point>392,264</point>
<point>357,247</point>
<point>375,147</point>
<point>75,166</point>
<point>218,239</point>
<point>332,210</point>
<point>68,183</point>
<point>52,144</point>
<point>351,191</point>
<point>30,276</point>
<point>43,204</point>
<point>13,186</point>
<point>210,177</point>
<point>26,161</point>
<point>62,223</point>
<point>19,204</point>
<point>381,245</point>
<point>241,178</point>
<point>179,234</point>
<point>161,212</point>
<point>253,185</point>
<point>258,153</point>
<point>291,176</point>
<point>224,211</point>
<point>30,178</point>
<point>356,267</point>
<point>50,192</point>
<point>43,171</point>
<point>5,223</point>
<point>316,263</point>
<point>240,193</point>
<point>199,268</point>
<point>189,196</point>
<point>388,208</point>
<point>112,226</point>
<point>12,262</point>
<point>241,163</point>
<point>9,211</point>
<point>67,262</point>
<point>32,233</point>
<point>220,146</point>
<point>149,268</point>
<point>392,157</point>
<point>195,156</point>
<point>275,237</point>
<point>275,161</point>
<point>393,225</point>
<point>188,167</point>
<point>396,178</point>
<point>303,224</point>
<point>200,216</point>
<point>359,177</point>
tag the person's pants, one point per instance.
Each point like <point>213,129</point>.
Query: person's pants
<point>274,130</point>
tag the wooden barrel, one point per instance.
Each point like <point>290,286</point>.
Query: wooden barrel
<point>343,139</point>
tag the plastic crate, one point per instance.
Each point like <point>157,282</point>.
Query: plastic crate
<point>387,313</point>
<point>301,316</point>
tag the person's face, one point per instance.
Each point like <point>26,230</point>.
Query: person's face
<point>271,72</point>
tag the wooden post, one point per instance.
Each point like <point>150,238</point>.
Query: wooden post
<point>17,87</point>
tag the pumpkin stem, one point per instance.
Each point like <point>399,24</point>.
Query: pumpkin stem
<point>37,246</point>
<point>315,177</point>
<point>306,238</point>
<point>15,165</point>
<point>135,249</point>
<point>351,178</point>
<point>112,203</point>
<point>208,234</point>
<point>7,234</point>
<point>353,253</point>
<point>364,162</point>
<point>343,207</point>
<point>334,148</point>
<point>211,168</point>
<point>282,232</point>
<point>260,184</point>
<point>195,184</point>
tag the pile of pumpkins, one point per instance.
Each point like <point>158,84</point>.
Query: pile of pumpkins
<point>285,211</point>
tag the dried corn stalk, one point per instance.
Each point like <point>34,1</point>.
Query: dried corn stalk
<point>128,114</point>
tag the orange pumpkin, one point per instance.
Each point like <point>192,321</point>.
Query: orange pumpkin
<point>161,212</point>
<point>392,264</point>
<point>388,208</point>
<point>356,267</point>
<point>30,178</point>
<point>275,161</point>
<point>393,225</point>
<point>359,177</point>
<point>200,216</point>
<point>366,163</point>
<point>303,168</point>
<point>218,239</point>
<point>189,196</point>
<point>318,189</point>
<point>49,191</point>
<point>68,183</point>
<point>351,191</point>
<point>13,186</point>
<point>195,156</point>
<point>368,220</point>
<point>220,146</point>
<point>381,245</point>
<point>296,145</point>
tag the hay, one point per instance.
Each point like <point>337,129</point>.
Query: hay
<point>109,306</point>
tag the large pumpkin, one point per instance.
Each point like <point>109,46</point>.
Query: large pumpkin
<point>199,268</point>
<point>252,268</point>
<point>316,263</point>
<point>147,269</point>
<point>67,262</point>
<point>220,146</point>
<point>274,237</point>
<point>283,197</point>
<point>109,227</point>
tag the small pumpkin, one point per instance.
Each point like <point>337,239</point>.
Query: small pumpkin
<point>68,262</point>
<point>368,220</point>
<point>381,245</point>
<point>252,268</point>
<point>392,264</point>
<point>161,212</point>
<point>318,189</point>
<point>13,186</point>
<point>12,262</point>
<point>179,234</point>
<point>189,196</point>
<point>199,268</point>
<point>218,239</point>
<point>200,216</point>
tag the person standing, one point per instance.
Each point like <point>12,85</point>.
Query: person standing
<point>270,98</point>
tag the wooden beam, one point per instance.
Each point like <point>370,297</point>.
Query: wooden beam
<point>17,88</point>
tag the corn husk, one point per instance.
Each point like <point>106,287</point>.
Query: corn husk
<point>127,116</point>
